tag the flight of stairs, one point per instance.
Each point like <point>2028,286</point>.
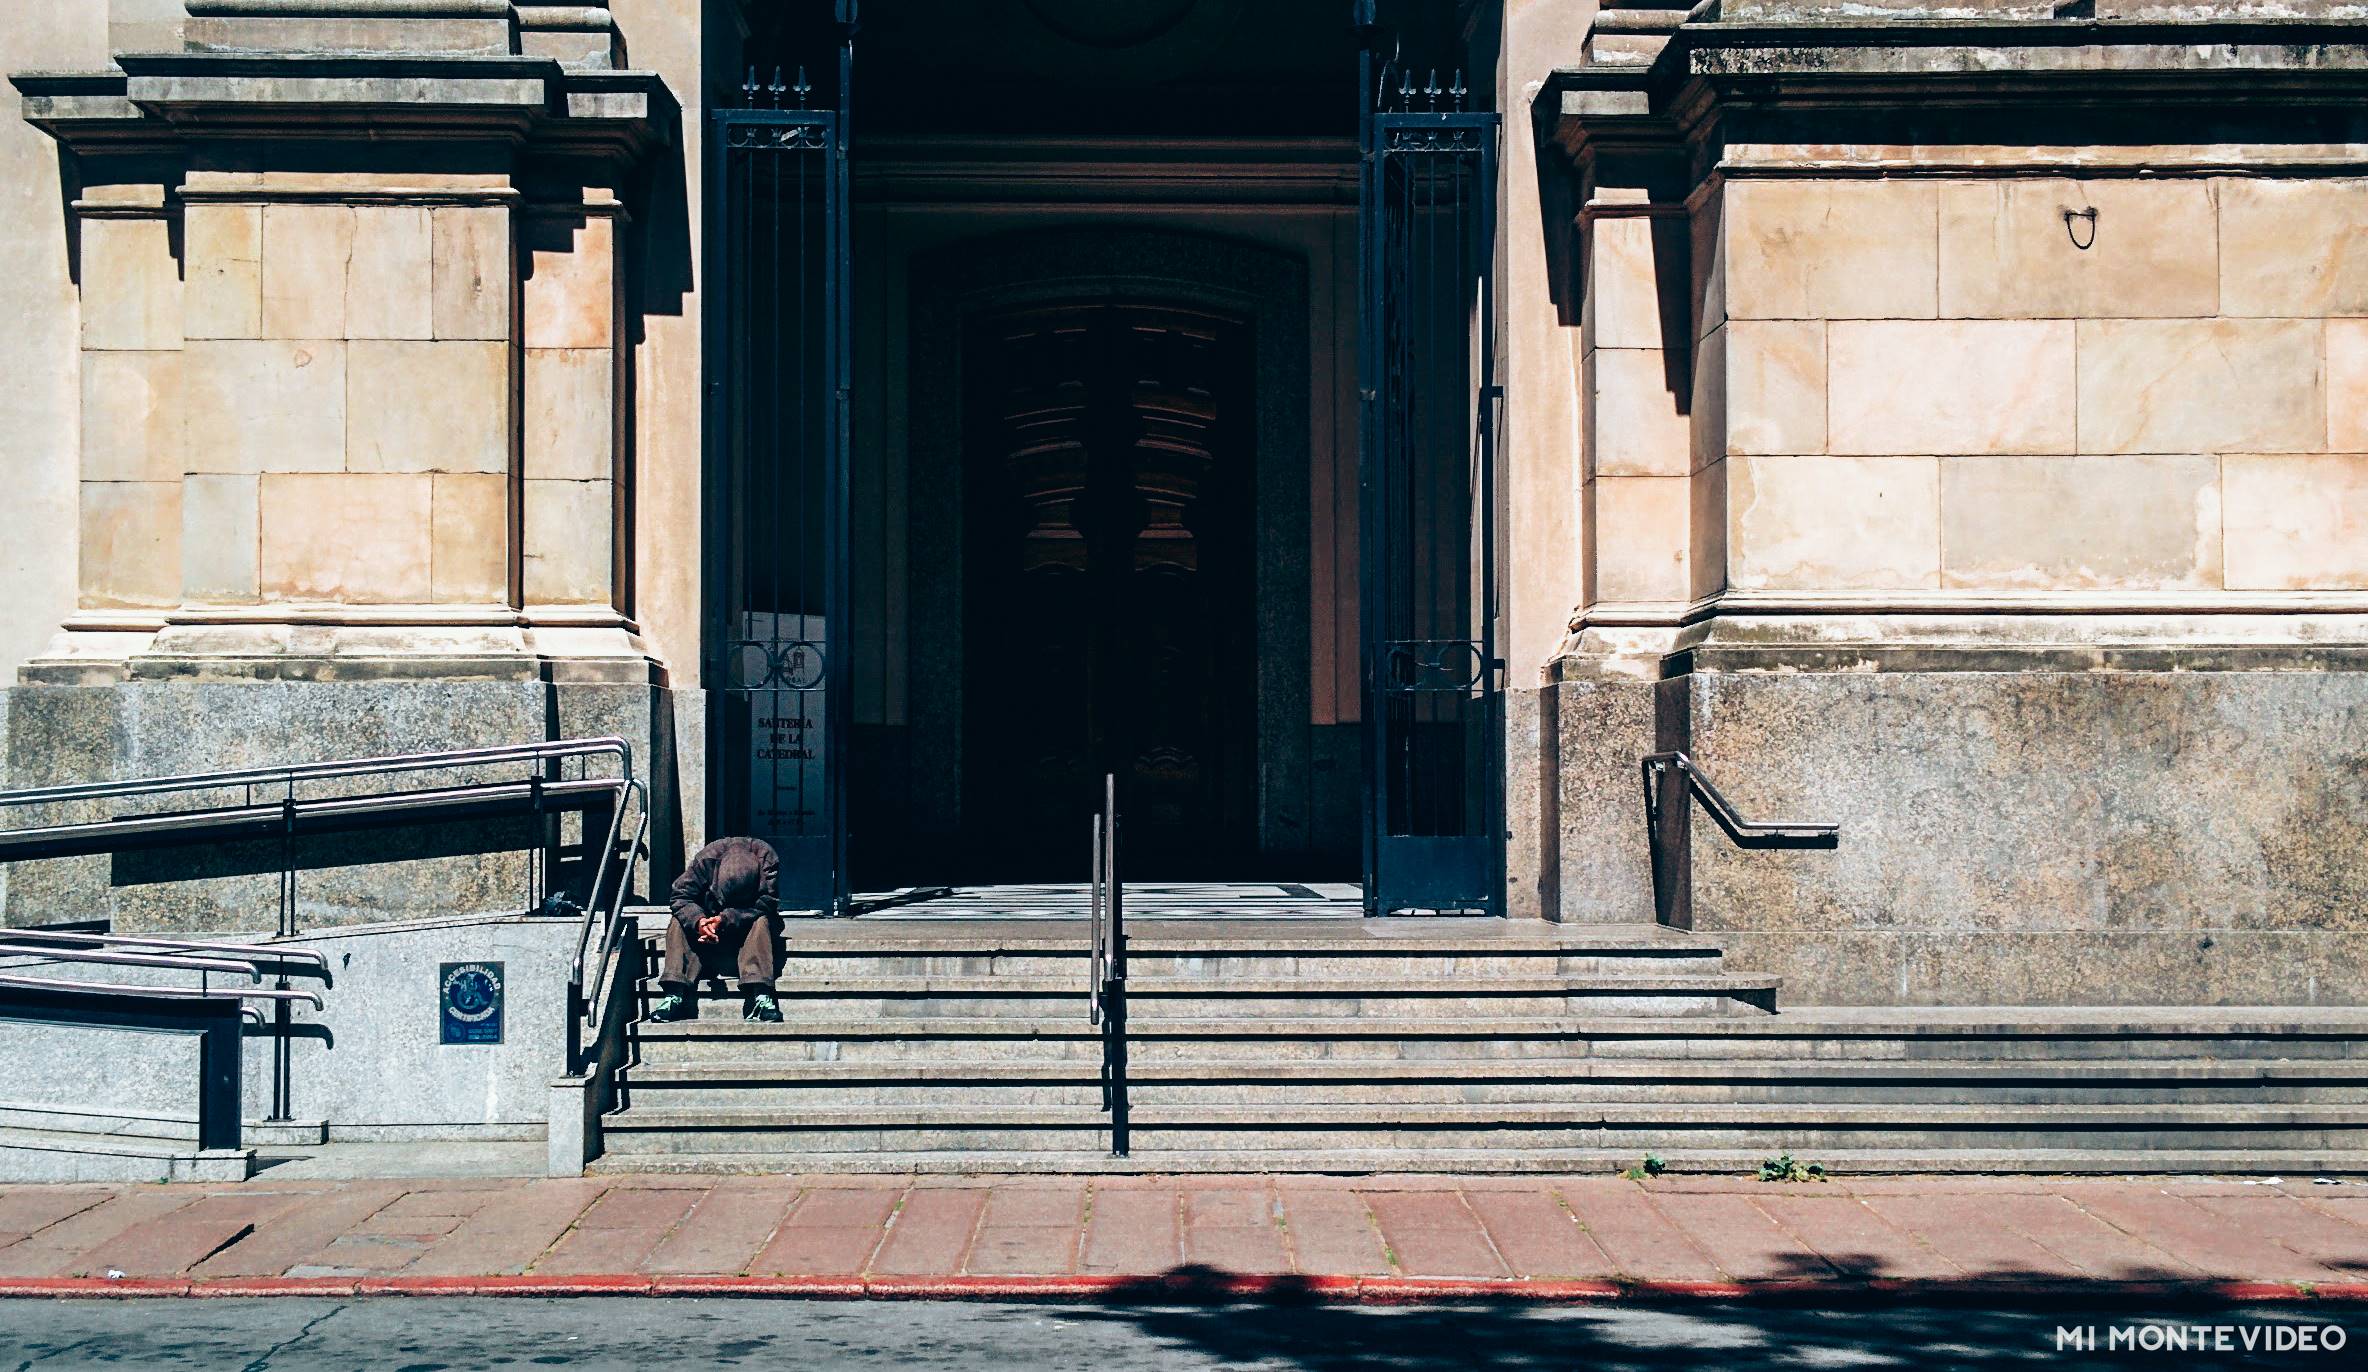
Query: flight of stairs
<point>1447,1045</point>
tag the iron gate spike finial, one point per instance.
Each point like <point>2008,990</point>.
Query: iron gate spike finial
<point>1431,92</point>
<point>1457,90</point>
<point>749,88</point>
<point>803,88</point>
<point>776,88</point>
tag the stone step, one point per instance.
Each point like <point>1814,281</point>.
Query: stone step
<point>1657,19</point>
<point>2291,1163</point>
<point>1371,997</point>
<point>1803,1129</point>
<point>1908,1037</point>
<point>991,1085</point>
<point>837,948</point>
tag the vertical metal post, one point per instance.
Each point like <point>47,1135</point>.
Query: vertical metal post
<point>1114,977</point>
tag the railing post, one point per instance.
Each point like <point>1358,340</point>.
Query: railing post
<point>1113,975</point>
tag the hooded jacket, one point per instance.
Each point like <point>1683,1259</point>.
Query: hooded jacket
<point>732,877</point>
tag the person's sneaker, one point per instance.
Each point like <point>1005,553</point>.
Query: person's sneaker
<point>762,1008</point>
<point>670,1008</point>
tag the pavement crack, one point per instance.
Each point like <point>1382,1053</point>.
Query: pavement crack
<point>263,1359</point>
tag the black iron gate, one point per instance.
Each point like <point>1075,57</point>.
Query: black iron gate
<point>777,350</point>
<point>1432,695</point>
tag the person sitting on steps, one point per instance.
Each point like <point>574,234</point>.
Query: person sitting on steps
<point>726,909</point>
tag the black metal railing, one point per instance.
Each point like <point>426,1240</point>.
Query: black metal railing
<point>1670,780</point>
<point>299,801</point>
<point>779,326</point>
<point>1433,671</point>
<point>1106,975</point>
<point>211,1011</point>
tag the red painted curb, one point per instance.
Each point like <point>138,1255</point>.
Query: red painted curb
<point>1172,1287</point>
<point>272,1286</point>
<point>94,1286</point>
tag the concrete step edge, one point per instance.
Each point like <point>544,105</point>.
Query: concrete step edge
<point>1684,1161</point>
<point>1573,983</point>
<point>1779,1025</point>
<point>2085,1071</point>
<point>1899,1115</point>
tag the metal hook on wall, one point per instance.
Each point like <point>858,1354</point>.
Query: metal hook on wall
<point>2072,218</point>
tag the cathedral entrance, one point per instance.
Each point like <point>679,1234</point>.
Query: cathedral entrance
<point>1108,554</point>
<point>1106,398</point>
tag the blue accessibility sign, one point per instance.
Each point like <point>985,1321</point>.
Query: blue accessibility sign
<point>471,993</point>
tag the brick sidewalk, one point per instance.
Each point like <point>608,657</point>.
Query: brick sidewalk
<point>1369,1237</point>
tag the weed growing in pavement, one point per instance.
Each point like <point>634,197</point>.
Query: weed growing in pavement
<point>1786,1167</point>
<point>1652,1166</point>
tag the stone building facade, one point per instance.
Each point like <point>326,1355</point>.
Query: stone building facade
<point>1939,418</point>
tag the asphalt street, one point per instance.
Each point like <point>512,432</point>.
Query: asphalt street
<point>412,1334</point>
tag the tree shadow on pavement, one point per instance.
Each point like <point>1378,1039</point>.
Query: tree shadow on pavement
<point>1287,1325</point>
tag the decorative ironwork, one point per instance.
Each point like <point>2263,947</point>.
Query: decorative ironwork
<point>1434,714</point>
<point>778,323</point>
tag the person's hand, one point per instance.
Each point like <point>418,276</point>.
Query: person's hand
<point>710,928</point>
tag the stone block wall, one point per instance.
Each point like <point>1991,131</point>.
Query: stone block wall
<point>350,389</point>
<point>1974,463</point>
<point>1931,384</point>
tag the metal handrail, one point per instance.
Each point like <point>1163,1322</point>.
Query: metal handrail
<point>116,988</point>
<point>1744,832</point>
<point>316,771</point>
<point>587,987</point>
<point>1669,779</point>
<point>252,952</point>
<point>170,961</point>
<point>1108,966</point>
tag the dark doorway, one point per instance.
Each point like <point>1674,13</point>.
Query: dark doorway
<point>1108,463</point>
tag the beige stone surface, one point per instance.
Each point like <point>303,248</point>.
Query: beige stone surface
<point>1643,538</point>
<point>131,543</point>
<point>218,538</point>
<point>222,295</point>
<point>307,252</point>
<point>437,406</point>
<point>570,290</point>
<point>2293,247</point>
<point>1637,416</point>
<point>41,399</point>
<point>1706,564</point>
<point>1951,386</point>
<point>2203,385</point>
<point>470,557</point>
<point>1831,250</point>
<point>2006,251</point>
<point>2296,522</point>
<point>2347,385</point>
<point>265,405</point>
<point>1833,523</point>
<point>474,270</point>
<point>354,538</point>
<point>568,531</point>
<point>1636,286</point>
<point>670,37</point>
<point>1775,386</point>
<point>2080,523</point>
<point>570,416</point>
<point>391,291</point>
<point>131,416</point>
<point>131,284</point>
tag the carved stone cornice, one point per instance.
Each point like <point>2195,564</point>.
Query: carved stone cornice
<point>159,101</point>
<point>1968,81</point>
